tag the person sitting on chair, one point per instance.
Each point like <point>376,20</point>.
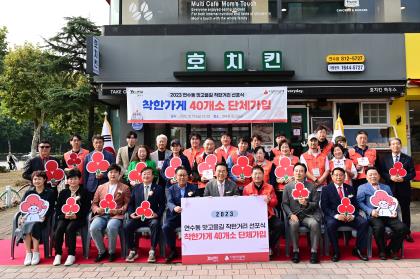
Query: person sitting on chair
<point>155,195</point>
<point>378,223</point>
<point>70,223</point>
<point>173,215</point>
<point>109,219</point>
<point>32,231</point>
<point>221,186</point>
<point>302,211</point>
<point>331,197</point>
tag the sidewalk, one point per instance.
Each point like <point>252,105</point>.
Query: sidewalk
<point>345,269</point>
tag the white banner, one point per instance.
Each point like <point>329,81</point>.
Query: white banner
<point>207,105</point>
<point>224,229</point>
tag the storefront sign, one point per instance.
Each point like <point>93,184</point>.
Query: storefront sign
<point>356,67</point>
<point>234,61</point>
<point>92,59</point>
<point>345,58</point>
<point>195,61</point>
<point>207,105</point>
<point>224,230</point>
<point>351,3</point>
<point>272,61</point>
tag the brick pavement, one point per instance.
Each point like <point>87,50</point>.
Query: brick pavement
<point>344,269</point>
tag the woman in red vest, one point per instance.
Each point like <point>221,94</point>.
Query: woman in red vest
<point>268,167</point>
<point>339,160</point>
<point>285,151</point>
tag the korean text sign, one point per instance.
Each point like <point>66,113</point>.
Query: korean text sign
<point>224,229</point>
<point>207,105</point>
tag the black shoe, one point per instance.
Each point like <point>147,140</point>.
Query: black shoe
<point>392,255</point>
<point>335,257</point>
<point>409,238</point>
<point>382,256</point>
<point>172,255</point>
<point>295,257</point>
<point>356,252</point>
<point>101,257</point>
<point>112,257</point>
<point>314,258</point>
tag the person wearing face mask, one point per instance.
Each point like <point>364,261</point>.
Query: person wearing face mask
<point>378,223</point>
<point>338,160</point>
<point>400,186</point>
<point>160,155</point>
<point>316,163</point>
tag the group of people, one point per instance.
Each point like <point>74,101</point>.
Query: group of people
<point>328,171</point>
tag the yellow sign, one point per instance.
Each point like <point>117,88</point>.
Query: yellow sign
<point>345,58</point>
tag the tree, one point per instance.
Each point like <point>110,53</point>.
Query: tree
<point>11,130</point>
<point>69,48</point>
<point>27,79</point>
<point>3,46</point>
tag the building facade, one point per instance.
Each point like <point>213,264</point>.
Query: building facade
<point>347,57</point>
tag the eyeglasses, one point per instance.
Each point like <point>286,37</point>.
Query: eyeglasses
<point>44,147</point>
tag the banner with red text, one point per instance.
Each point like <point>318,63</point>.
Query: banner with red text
<point>224,229</point>
<point>207,104</point>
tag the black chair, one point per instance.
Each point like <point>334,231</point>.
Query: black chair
<point>388,234</point>
<point>120,234</point>
<point>143,231</point>
<point>45,236</point>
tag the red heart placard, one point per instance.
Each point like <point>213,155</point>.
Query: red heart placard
<point>71,207</point>
<point>108,203</point>
<point>144,210</point>
<point>398,170</point>
<point>73,160</point>
<point>98,164</point>
<point>135,174</point>
<point>174,163</point>
<point>208,164</point>
<point>300,191</point>
<point>54,173</point>
<point>346,207</point>
<point>242,168</point>
<point>285,169</point>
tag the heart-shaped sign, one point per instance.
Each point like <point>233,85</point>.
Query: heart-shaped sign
<point>54,174</point>
<point>71,207</point>
<point>135,174</point>
<point>144,210</point>
<point>346,207</point>
<point>300,191</point>
<point>174,163</point>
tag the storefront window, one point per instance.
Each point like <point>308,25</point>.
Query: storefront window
<point>378,137</point>
<point>375,113</point>
<point>267,11</point>
<point>349,113</point>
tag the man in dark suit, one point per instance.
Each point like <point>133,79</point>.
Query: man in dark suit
<point>92,180</point>
<point>331,196</point>
<point>155,194</point>
<point>302,211</point>
<point>173,215</point>
<point>400,186</point>
<point>38,163</point>
<point>221,186</point>
<point>378,223</point>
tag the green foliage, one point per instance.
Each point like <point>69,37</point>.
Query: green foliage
<point>3,46</point>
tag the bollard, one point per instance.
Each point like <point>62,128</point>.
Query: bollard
<point>8,196</point>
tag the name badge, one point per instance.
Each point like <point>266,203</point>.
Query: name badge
<point>363,161</point>
<point>315,172</point>
<point>339,163</point>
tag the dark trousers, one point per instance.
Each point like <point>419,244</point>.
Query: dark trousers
<point>200,192</point>
<point>404,202</point>
<point>399,231</point>
<point>70,228</point>
<point>275,229</point>
<point>169,230</point>
<point>359,223</point>
<point>133,224</point>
